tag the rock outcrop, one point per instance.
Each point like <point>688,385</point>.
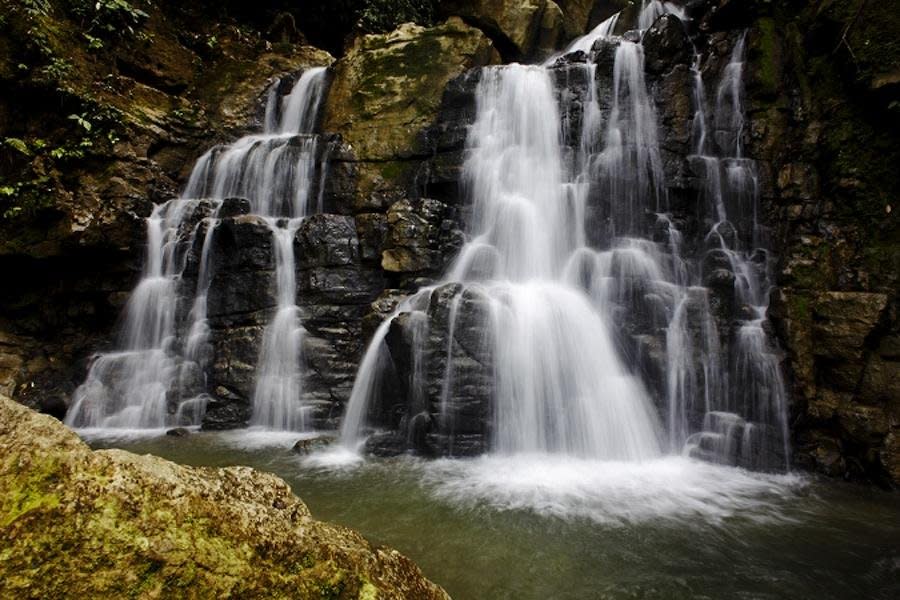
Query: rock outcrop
<point>111,524</point>
<point>520,29</point>
<point>386,91</point>
<point>824,130</point>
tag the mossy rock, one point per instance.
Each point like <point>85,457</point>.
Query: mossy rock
<point>111,524</point>
<point>387,90</point>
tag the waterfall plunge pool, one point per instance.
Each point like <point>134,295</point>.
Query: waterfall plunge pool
<point>529,527</point>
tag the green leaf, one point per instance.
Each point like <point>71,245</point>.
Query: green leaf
<point>84,123</point>
<point>19,145</point>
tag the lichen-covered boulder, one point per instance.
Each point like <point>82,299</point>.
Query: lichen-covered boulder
<point>387,90</point>
<point>111,524</point>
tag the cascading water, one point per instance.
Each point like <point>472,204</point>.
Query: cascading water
<point>276,399</point>
<point>654,9</point>
<point>749,423</point>
<point>278,172</point>
<point>130,389</point>
<point>571,300</point>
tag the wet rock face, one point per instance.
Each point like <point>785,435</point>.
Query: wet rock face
<point>114,524</point>
<point>334,290</point>
<point>421,237</point>
<point>437,398</point>
<point>824,157</point>
<point>845,364</point>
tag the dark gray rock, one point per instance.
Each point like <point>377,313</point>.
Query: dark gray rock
<point>666,44</point>
<point>227,410</point>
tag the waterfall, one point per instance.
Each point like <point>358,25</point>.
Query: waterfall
<point>748,422</point>
<point>157,379</point>
<point>586,42</point>
<point>130,388</point>
<point>571,324</point>
<point>654,9</point>
<point>276,398</point>
<point>631,167</point>
<point>560,385</point>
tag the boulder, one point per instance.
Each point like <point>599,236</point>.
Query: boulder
<point>310,445</point>
<point>387,90</point>
<point>516,26</point>
<point>666,44</point>
<point>79,523</point>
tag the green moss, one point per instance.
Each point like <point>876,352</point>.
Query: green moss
<point>392,171</point>
<point>800,308</point>
<point>31,491</point>
<point>368,592</point>
<point>768,65</point>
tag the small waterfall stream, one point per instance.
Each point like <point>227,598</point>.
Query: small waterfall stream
<point>279,173</point>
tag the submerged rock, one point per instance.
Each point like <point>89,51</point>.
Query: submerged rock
<point>307,446</point>
<point>178,432</point>
<point>78,523</point>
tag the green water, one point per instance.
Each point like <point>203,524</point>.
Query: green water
<point>529,528</point>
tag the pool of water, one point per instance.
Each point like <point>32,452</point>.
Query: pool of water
<point>530,527</point>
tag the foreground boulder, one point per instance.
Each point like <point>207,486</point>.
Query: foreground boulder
<point>110,524</point>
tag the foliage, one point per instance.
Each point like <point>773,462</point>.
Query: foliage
<point>111,19</point>
<point>35,183</point>
<point>377,16</point>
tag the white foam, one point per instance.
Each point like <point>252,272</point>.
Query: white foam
<point>255,438</point>
<point>613,493</point>
<point>100,434</point>
<point>334,457</point>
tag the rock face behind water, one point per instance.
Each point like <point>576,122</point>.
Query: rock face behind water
<point>110,524</point>
<point>387,89</point>
<point>520,28</point>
